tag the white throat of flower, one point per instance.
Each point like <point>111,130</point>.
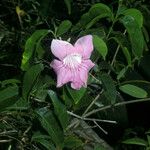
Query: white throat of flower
<point>73,60</point>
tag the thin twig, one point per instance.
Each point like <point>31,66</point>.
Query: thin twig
<point>8,132</point>
<point>116,105</point>
<point>135,81</point>
<point>92,103</point>
<point>115,55</point>
<point>100,127</point>
<point>95,78</point>
<point>5,141</point>
<point>99,120</point>
<point>90,119</point>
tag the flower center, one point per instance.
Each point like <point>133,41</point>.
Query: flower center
<point>73,60</point>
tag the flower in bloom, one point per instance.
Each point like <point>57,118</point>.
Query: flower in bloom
<point>73,61</point>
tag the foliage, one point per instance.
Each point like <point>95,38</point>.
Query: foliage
<point>34,114</point>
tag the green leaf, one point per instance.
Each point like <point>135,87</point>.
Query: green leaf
<point>133,90</point>
<point>121,73</point>
<point>109,88</point>
<point>30,47</point>
<point>49,123</point>
<point>127,56</point>
<point>136,141</point>
<point>8,92</point>
<point>21,104</point>
<point>76,94</point>
<point>136,14</point>
<point>68,5</point>
<point>9,81</point>
<point>146,34</point>
<point>99,147</point>
<point>44,140</point>
<point>100,46</point>
<point>8,96</point>
<point>100,32</point>
<point>97,12</point>
<point>39,49</point>
<point>39,135</point>
<point>72,142</point>
<point>67,98</point>
<point>63,27</point>
<point>60,109</point>
<point>134,31</point>
<point>29,79</point>
<point>148,139</point>
<point>124,44</point>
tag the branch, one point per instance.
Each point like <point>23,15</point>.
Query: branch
<point>92,103</point>
<point>90,119</point>
<point>116,105</point>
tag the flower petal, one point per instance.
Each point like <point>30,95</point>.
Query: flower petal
<point>88,64</point>
<point>77,82</point>
<point>61,48</point>
<point>84,46</point>
<point>76,85</point>
<point>85,68</point>
<point>84,76</point>
<point>56,65</point>
<point>63,76</point>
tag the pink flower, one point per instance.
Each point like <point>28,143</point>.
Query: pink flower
<point>73,63</point>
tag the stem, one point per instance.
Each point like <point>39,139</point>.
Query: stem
<point>92,103</point>
<point>97,80</point>
<point>116,105</point>
<point>135,81</point>
<point>115,55</point>
<point>111,28</point>
<point>5,141</point>
<point>20,21</point>
<point>100,127</point>
<point>50,31</point>
<point>89,119</point>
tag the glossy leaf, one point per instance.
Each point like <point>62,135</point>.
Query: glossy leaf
<point>100,32</point>
<point>136,141</point>
<point>44,140</point>
<point>133,90</point>
<point>136,14</point>
<point>39,49</point>
<point>127,56</point>
<point>68,5</point>
<point>30,47</point>
<point>99,147</point>
<point>63,27</point>
<point>99,9</point>
<point>121,74</point>
<point>148,139</point>
<point>109,88</point>
<point>134,31</point>
<point>60,109</point>
<point>76,94</point>
<point>30,78</point>
<point>21,104</point>
<point>97,12</point>
<point>100,46</point>
<point>9,81</point>
<point>72,142</point>
<point>7,96</point>
<point>8,92</point>
<point>67,98</point>
<point>124,44</point>
<point>49,123</point>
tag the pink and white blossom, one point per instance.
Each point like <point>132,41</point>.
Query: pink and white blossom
<point>73,61</point>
